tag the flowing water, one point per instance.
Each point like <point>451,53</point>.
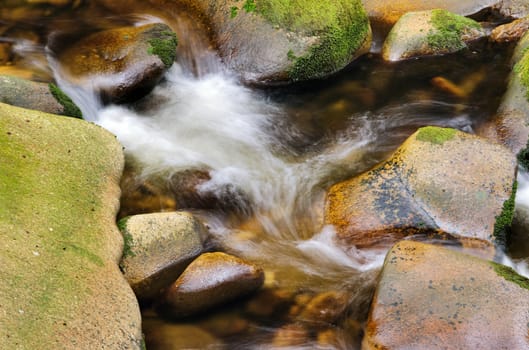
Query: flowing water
<point>270,155</point>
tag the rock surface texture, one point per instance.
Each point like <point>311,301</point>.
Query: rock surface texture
<point>158,247</point>
<point>430,297</point>
<point>59,189</point>
<point>439,181</point>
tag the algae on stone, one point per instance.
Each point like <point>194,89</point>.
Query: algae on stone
<point>70,108</point>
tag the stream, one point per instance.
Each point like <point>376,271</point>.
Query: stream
<point>271,154</point>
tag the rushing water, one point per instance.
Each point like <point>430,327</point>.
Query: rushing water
<point>272,153</point>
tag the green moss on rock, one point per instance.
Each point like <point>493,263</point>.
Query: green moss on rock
<point>70,108</point>
<point>164,47</point>
<point>448,30</point>
<point>343,27</point>
<point>510,275</point>
<point>504,220</point>
<point>523,157</point>
<point>522,69</point>
<point>128,241</point>
<point>435,134</point>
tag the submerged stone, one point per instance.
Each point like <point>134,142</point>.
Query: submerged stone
<point>430,297</point>
<point>122,65</point>
<point>213,279</point>
<point>158,247</point>
<point>59,248</point>
<point>439,181</point>
<point>426,33</point>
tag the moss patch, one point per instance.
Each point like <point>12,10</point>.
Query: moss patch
<point>70,108</point>
<point>233,11</point>
<point>128,241</point>
<point>504,220</point>
<point>164,47</point>
<point>510,275</point>
<point>341,25</point>
<point>448,30</point>
<point>522,69</point>
<point>435,134</point>
<point>249,6</point>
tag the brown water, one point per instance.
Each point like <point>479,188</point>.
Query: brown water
<point>270,153</point>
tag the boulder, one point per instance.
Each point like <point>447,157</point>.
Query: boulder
<point>430,297</point>
<point>213,279</point>
<point>123,64</point>
<point>439,181</point>
<point>510,126</point>
<point>158,247</point>
<point>427,33</point>
<point>60,247</point>
<point>38,96</point>
<point>389,12</point>
<point>271,41</point>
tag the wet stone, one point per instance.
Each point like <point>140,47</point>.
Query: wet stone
<point>213,279</point>
<point>122,65</point>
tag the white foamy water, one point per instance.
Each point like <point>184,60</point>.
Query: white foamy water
<point>215,124</point>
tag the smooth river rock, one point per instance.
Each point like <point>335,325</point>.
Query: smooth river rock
<point>429,297</point>
<point>123,64</point>
<point>274,41</point>
<point>438,181</point>
<point>511,123</point>
<point>60,246</point>
<point>38,96</point>
<point>213,279</point>
<point>428,33</point>
<point>158,247</point>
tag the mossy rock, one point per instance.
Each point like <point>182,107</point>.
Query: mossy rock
<point>38,96</point>
<point>123,64</point>
<point>158,247</point>
<point>426,33</point>
<point>430,297</point>
<point>276,41</point>
<point>440,182</point>
<point>510,126</point>
<point>60,247</point>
